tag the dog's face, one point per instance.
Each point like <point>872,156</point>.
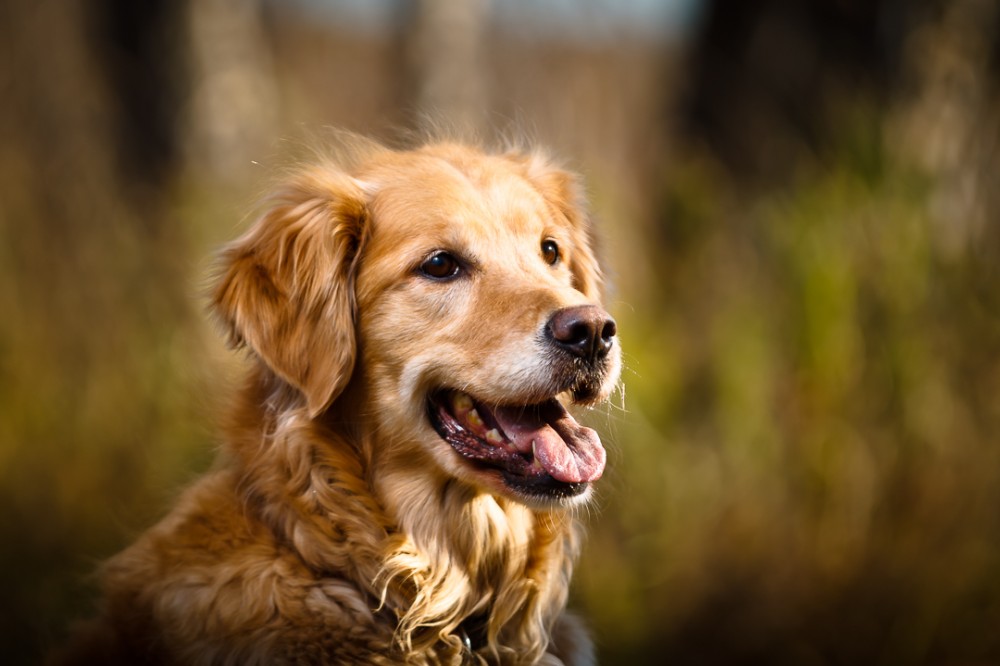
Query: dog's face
<point>474,323</point>
<point>472,293</point>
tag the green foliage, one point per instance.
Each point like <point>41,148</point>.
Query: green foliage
<point>807,470</point>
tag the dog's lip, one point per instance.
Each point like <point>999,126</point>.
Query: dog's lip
<point>539,448</point>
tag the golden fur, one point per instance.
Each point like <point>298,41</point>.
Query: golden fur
<point>337,526</point>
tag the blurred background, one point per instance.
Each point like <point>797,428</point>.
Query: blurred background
<point>799,206</point>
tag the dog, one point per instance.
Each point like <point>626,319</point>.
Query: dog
<point>401,472</point>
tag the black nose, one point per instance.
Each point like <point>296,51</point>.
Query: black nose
<point>586,331</point>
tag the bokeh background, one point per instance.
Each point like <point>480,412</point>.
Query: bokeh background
<point>799,202</point>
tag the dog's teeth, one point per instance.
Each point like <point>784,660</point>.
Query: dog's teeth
<point>474,419</point>
<point>494,437</point>
<point>461,403</point>
<point>534,459</point>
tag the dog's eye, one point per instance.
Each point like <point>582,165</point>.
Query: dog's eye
<point>550,252</point>
<point>440,266</point>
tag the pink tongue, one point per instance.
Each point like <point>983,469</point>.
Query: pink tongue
<point>566,450</point>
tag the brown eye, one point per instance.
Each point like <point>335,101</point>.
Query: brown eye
<point>550,252</point>
<point>440,266</point>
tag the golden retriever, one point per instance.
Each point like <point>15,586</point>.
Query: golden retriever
<point>400,469</point>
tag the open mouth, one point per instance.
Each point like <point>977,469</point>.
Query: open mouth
<point>538,450</point>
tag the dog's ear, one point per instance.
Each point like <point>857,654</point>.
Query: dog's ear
<point>563,191</point>
<point>285,289</point>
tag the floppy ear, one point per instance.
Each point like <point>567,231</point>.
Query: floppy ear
<point>563,192</point>
<point>285,289</point>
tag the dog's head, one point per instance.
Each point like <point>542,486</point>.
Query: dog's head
<point>461,292</point>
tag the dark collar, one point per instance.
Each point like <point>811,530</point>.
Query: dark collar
<point>473,632</point>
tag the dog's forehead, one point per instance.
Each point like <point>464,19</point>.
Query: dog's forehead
<point>482,197</point>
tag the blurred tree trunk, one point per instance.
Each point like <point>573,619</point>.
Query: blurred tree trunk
<point>93,92</point>
<point>444,50</point>
<point>768,76</point>
<point>234,93</point>
<point>946,118</point>
<point>139,50</point>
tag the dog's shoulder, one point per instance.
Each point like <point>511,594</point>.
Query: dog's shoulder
<point>213,568</point>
